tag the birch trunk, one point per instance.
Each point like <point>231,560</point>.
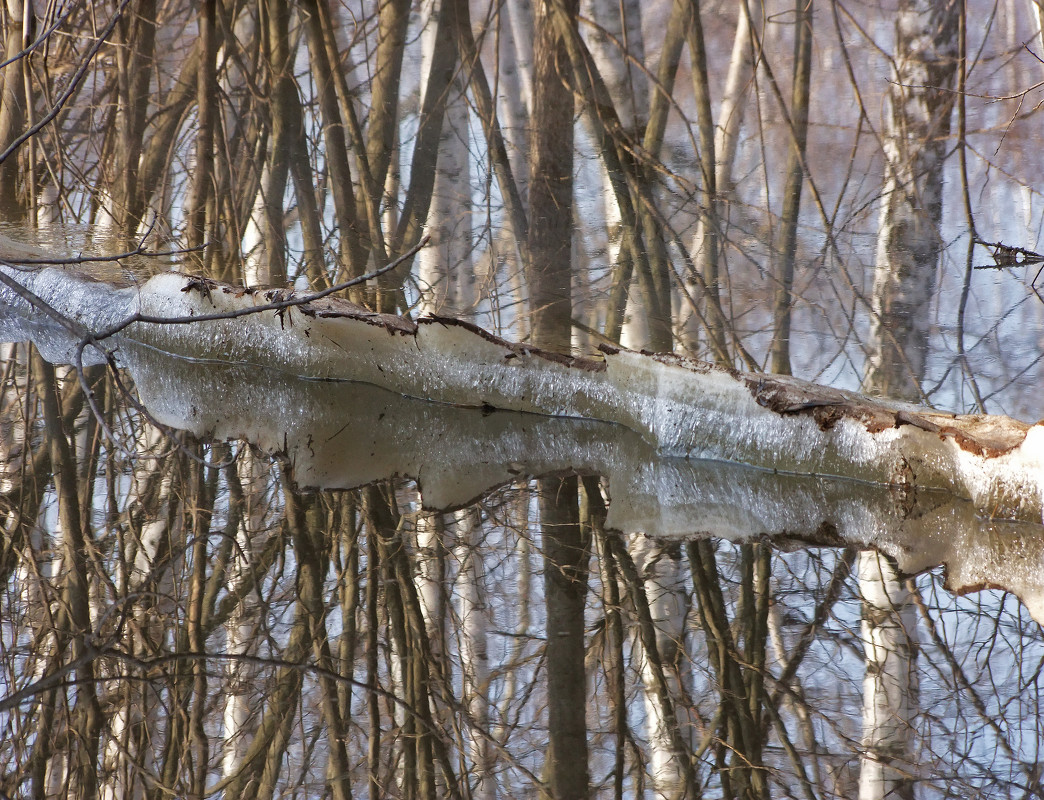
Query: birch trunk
<point>908,247</point>
<point>430,559</point>
<point>472,613</point>
<point>515,98</point>
<point>908,244</point>
<point>240,675</point>
<point>143,558</point>
<point>659,565</point>
<point>888,768</point>
<point>1036,8</point>
<point>617,45</point>
<point>444,269</point>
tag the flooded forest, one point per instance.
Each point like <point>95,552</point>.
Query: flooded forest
<point>642,404</point>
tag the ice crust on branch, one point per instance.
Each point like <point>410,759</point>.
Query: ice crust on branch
<point>681,407</point>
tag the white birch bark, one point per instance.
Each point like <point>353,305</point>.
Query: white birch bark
<point>738,83</point>
<point>890,641</point>
<point>514,102</point>
<point>430,573</point>
<point>253,245</point>
<point>104,231</point>
<point>800,710</point>
<point>618,48</point>
<point>240,676</point>
<point>523,522</point>
<point>120,750</point>
<point>908,247</point>
<point>616,43</point>
<point>232,80</point>
<point>122,755</point>
<point>664,581</point>
<point>472,613</point>
<point>1036,9</point>
<point>48,210</point>
<point>33,580</point>
<point>515,97</point>
<point>445,272</point>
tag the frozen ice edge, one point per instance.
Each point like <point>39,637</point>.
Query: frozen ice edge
<point>680,406</point>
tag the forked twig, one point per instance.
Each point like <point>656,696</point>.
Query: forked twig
<point>1006,256</point>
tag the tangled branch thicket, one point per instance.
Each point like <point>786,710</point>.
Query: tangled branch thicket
<point>783,186</point>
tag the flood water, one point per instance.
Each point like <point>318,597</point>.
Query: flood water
<point>332,583</point>
<point>220,580</point>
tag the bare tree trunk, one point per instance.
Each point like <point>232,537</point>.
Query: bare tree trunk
<point>1036,8</point>
<point>707,242</point>
<point>266,249</point>
<point>473,614</point>
<point>549,271</point>
<point>659,566</point>
<point>326,72</point>
<point>618,48</point>
<point>566,552</point>
<point>430,559</point>
<point>288,152</point>
<point>888,768</point>
<point>394,17</point>
<point>624,293</point>
<point>13,102</point>
<point>75,628</point>
<point>306,524</point>
<point>135,54</point>
<point>740,732</point>
<point>202,196</point>
<point>515,98</point>
<point>242,676</point>
<point>908,246</point>
<point>711,226</point>
<point>440,75</point>
<point>549,274</point>
<point>444,268</point>
<point>782,304</point>
<point>908,243</point>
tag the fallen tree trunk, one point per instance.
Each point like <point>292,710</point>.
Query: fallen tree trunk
<point>681,407</point>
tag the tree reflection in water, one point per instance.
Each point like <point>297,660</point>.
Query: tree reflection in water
<point>187,617</point>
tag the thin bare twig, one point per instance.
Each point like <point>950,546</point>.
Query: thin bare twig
<point>74,82</point>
